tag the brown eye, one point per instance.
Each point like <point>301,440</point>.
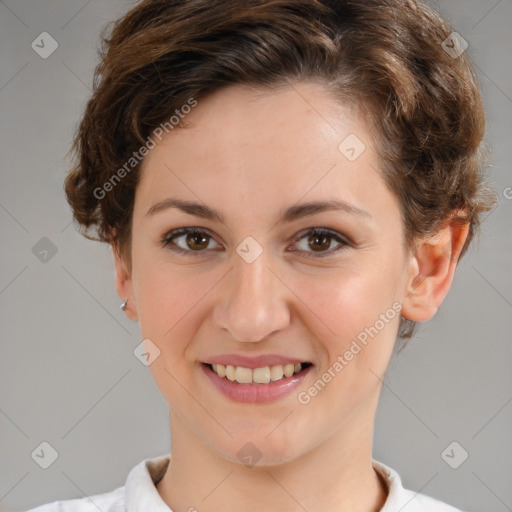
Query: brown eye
<point>188,241</point>
<point>197,240</point>
<point>319,241</point>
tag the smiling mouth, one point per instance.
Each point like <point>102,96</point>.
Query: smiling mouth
<point>263,375</point>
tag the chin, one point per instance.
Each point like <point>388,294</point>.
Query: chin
<point>259,451</point>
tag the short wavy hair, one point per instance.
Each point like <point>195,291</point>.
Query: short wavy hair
<point>390,59</point>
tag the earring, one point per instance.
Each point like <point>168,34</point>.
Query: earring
<point>123,304</point>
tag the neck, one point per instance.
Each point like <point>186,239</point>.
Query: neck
<point>336,475</point>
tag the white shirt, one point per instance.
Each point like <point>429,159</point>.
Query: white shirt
<point>139,494</point>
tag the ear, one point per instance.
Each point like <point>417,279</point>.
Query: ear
<point>432,269</point>
<point>124,284</point>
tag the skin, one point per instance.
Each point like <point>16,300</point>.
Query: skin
<point>250,155</point>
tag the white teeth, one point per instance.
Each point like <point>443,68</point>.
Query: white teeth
<point>276,372</point>
<point>220,369</point>
<point>243,375</point>
<point>288,370</point>
<point>230,372</point>
<point>262,375</point>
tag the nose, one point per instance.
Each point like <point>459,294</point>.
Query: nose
<point>252,302</point>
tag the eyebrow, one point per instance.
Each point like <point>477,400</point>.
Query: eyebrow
<point>290,214</point>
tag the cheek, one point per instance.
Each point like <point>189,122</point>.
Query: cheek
<point>169,304</point>
<point>356,325</point>
<point>355,340</point>
<point>165,292</point>
<point>167,301</point>
<point>343,302</point>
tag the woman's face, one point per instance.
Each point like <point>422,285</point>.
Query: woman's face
<point>259,283</point>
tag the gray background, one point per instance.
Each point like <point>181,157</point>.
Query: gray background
<point>68,373</point>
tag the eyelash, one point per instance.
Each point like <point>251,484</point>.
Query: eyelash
<point>176,233</point>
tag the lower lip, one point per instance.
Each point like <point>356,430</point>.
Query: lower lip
<point>255,393</point>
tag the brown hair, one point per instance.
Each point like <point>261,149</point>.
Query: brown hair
<point>386,57</point>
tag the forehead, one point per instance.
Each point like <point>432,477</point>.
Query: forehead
<point>302,114</point>
<point>245,146</point>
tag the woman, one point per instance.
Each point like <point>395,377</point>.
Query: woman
<point>287,187</point>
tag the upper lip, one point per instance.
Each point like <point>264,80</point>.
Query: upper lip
<point>252,362</point>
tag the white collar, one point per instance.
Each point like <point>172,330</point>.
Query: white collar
<point>141,493</point>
